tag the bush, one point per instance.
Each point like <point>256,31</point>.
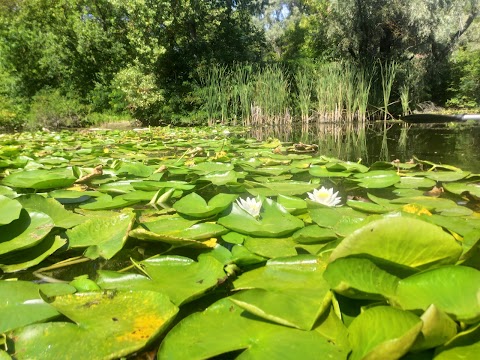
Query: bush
<point>11,115</point>
<point>51,109</point>
<point>465,84</point>
<point>142,96</point>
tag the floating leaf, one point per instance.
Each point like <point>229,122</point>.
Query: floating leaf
<point>40,179</point>
<point>24,259</point>
<point>9,210</point>
<point>21,304</point>
<point>437,329</point>
<point>107,325</point>
<point>61,217</point>
<point>258,339</point>
<point>428,245</point>
<point>313,234</point>
<point>274,221</point>
<point>360,279</point>
<point>452,289</point>
<point>377,179</point>
<point>195,206</point>
<point>27,231</point>
<point>383,332</point>
<point>103,236</point>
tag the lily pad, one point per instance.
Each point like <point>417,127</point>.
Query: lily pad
<point>274,221</point>
<point>360,279</point>
<point>61,217</point>
<point>102,236</point>
<point>383,332</point>
<point>258,339</point>
<point>452,289</point>
<point>21,304</point>
<point>24,259</point>
<point>377,179</point>
<point>106,325</point>
<point>27,231</point>
<point>9,210</point>
<point>195,206</point>
<point>428,245</point>
<point>40,179</point>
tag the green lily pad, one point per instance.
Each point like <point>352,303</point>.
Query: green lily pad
<point>446,176</point>
<point>437,329</point>
<point>296,308</point>
<point>181,278</point>
<point>61,217</point>
<point>220,178</point>
<point>27,231</point>
<point>322,171</point>
<point>284,188</point>
<point>258,339</point>
<point>274,221</point>
<point>102,236</point>
<point>24,259</point>
<point>458,188</point>
<point>106,325</point>
<point>106,202</point>
<point>313,234</point>
<point>195,206</point>
<point>292,204</point>
<point>359,278</point>
<point>269,247</point>
<point>21,304</point>
<point>367,207</point>
<point>134,169</point>
<point>149,185</point>
<point>377,179</point>
<point>9,210</point>
<point>383,332</point>
<point>415,182</point>
<point>452,289</point>
<point>428,245</point>
<point>40,179</point>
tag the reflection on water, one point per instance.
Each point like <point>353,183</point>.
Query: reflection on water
<point>454,143</point>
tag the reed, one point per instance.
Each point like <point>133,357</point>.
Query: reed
<point>304,82</point>
<point>405,99</point>
<point>271,97</point>
<point>212,81</point>
<point>387,72</point>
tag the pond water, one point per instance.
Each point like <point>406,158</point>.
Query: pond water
<point>456,144</point>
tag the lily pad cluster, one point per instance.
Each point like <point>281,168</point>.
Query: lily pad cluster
<point>198,243</point>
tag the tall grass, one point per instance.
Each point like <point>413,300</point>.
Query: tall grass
<point>328,92</point>
<point>387,71</point>
<point>304,82</point>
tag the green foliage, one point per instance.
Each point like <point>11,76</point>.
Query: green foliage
<point>141,95</point>
<point>466,79</point>
<point>51,109</point>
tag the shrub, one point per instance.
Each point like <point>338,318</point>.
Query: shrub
<point>51,109</point>
<point>465,85</point>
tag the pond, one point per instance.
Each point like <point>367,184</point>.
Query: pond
<point>455,144</point>
<point>188,243</point>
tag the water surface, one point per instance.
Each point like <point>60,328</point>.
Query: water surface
<point>456,144</point>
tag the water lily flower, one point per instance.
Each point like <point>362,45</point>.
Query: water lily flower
<point>251,206</point>
<point>325,196</point>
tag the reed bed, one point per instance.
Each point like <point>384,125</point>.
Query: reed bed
<point>329,92</point>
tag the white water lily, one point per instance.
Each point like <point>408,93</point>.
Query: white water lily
<point>250,205</point>
<point>325,196</point>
